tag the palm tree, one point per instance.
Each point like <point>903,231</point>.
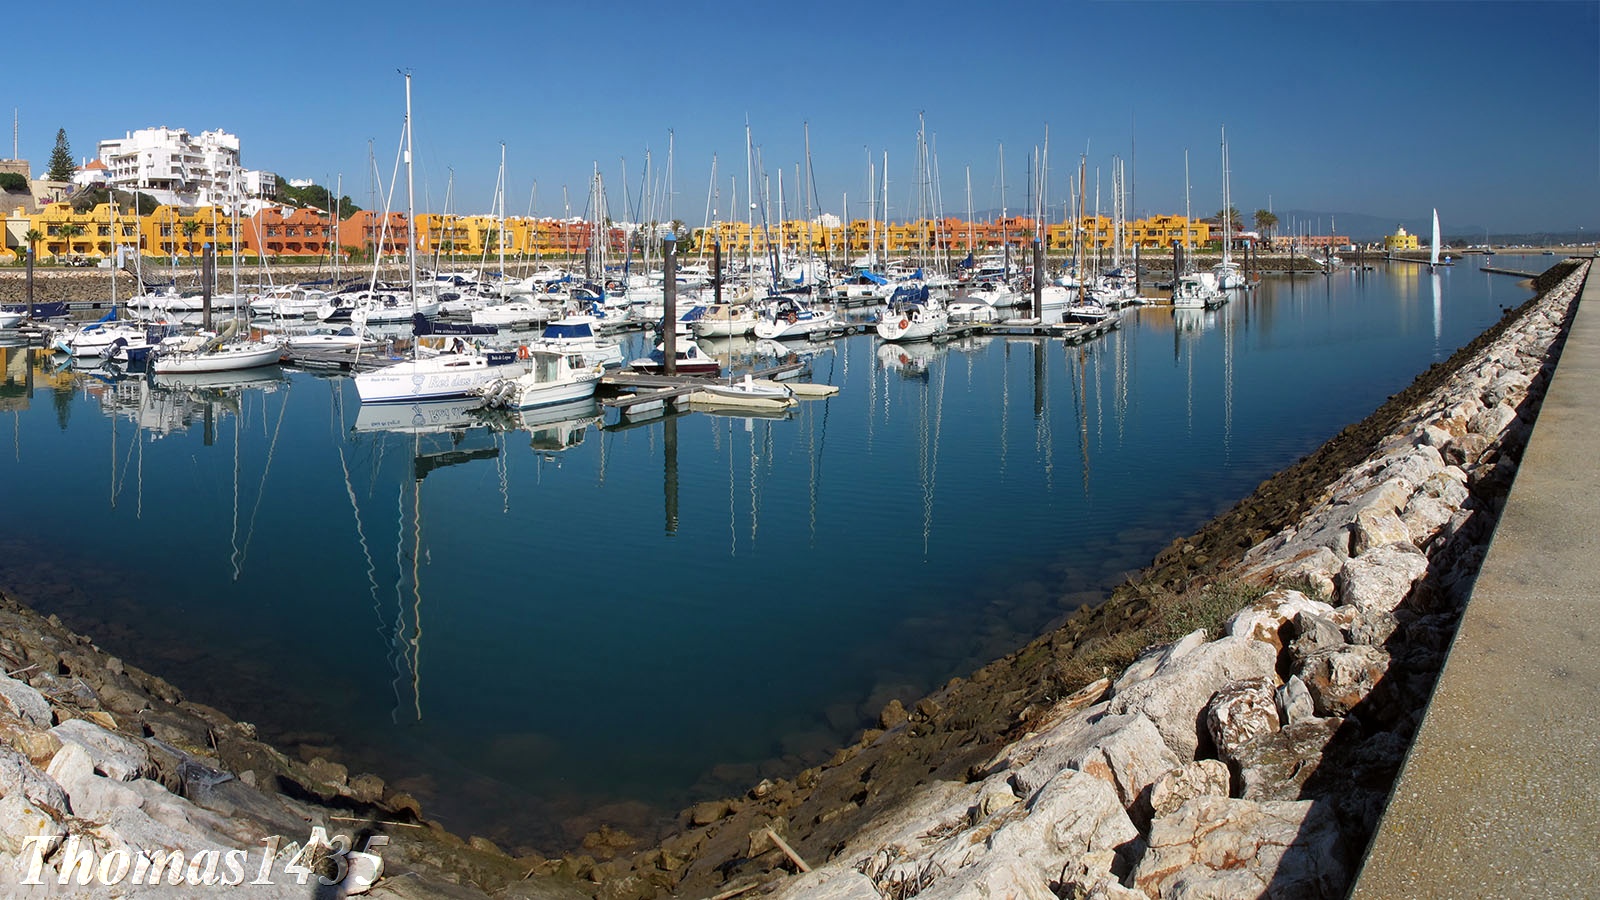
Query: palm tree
<point>189,229</point>
<point>1265,221</point>
<point>33,236</point>
<point>67,232</point>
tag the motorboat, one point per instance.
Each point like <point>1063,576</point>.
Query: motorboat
<point>9,319</point>
<point>458,372</point>
<point>580,334</point>
<point>552,377</point>
<point>329,338</point>
<point>1197,290</point>
<point>689,360</point>
<point>748,393</point>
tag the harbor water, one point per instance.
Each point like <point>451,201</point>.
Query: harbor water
<point>540,622</point>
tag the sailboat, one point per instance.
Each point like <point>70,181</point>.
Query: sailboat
<point>458,372</point>
<point>1227,271</point>
<point>1433,250</point>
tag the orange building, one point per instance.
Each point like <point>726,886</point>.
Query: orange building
<point>303,232</point>
<point>367,230</point>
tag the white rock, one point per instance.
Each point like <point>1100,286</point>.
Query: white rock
<point>114,755</point>
<point>1294,701</point>
<point>1264,619</point>
<point>1416,466</point>
<point>24,702</point>
<point>1339,678</point>
<point>995,877</point>
<point>1071,817</point>
<point>1173,699</point>
<point>829,883</point>
<point>1424,516</point>
<point>1201,778</point>
<point>19,776</point>
<point>1240,713</point>
<point>1492,421</point>
<point>20,820</point>
<point>1217,847</point>
<point>1380,579</point>
<point>1154,659</point>
<point>94,796</point>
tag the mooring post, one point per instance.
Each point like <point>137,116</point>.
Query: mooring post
<point>205,286</point>
<point>669,301</point>
<point>1038,280</point>
<point>30,283</point>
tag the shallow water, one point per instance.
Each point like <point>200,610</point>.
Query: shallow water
<point>536,626</point>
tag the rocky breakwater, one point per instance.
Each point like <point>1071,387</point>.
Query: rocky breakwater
<point>1249,757</point>
<point>113,784</point>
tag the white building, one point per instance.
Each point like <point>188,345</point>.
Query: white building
<point>180,169</point>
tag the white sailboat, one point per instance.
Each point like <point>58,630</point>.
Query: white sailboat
<point>1227,271</point>
<point>1433,250</point>
<point>460,371</point>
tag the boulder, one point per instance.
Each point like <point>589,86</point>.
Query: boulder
<point>1154,659</point>
<point>94,796</point>
<point>1339,678</point>
<point>1416,466</point>
<point>1264,620</point>
<point>1072,817</point>
<point>1217,847</point>
<point>1241,713</point>
<point>993,877</point>
<point>1424,516</point>
<point>1277,766</point>
<point>22,701</point>
<point>830,883</point>
<point>1294,701</point>
<point>1380,579</point>
<point>1174,699</point>
<point>19,776</point>
<point>20,819</point>
<point>114,756</point>
<point>1201,778</point>
<point>1127,752</point>
<point>1492,421</point>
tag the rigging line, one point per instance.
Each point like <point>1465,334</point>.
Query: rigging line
<point>261,491</point>
<point>933,469</point>
<point>733,529</point>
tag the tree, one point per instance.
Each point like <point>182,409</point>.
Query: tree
<point>189,229</point>
<point>33,236</point>
<point>67,232</point>
<point>1235,220</point>
<point>11,181</point>
<point>1265,222</point>
<point>61,166</point>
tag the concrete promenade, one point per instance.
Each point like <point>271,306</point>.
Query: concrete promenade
<point>1500,795</point>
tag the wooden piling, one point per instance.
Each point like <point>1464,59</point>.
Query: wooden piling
<point>669,303</point>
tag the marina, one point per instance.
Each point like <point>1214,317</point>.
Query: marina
<point>432,593</point>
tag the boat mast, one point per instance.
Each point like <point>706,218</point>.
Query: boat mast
<point>411,199</point>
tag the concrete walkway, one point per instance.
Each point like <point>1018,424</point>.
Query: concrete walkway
<point>1500,795</point>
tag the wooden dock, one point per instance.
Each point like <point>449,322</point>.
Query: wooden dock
<point>1495,270</point>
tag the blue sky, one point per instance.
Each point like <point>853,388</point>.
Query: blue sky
<point>1488,111</point>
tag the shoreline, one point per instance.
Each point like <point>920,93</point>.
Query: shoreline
<point>941,737</point>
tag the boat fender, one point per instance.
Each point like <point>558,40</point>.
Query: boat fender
<point>905,323</point>
<point>522,352</point>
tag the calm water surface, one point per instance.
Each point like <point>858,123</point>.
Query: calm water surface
<point>536,625</point>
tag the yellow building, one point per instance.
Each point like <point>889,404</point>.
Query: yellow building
<point>1401,240</point>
